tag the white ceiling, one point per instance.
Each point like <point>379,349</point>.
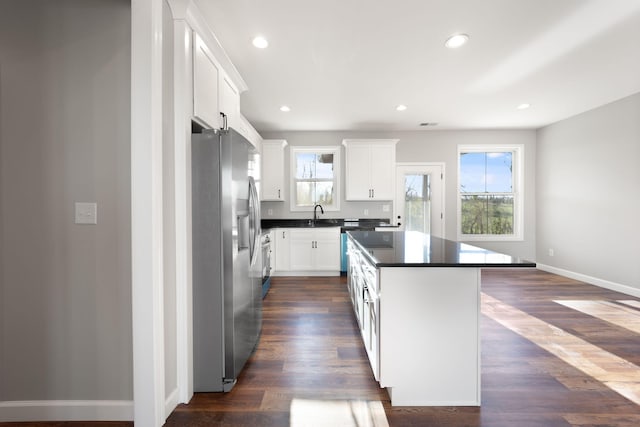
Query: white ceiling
<point>346,64</point>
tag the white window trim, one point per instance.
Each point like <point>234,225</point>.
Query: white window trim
<point>518,193</point>
<point>333,149</point>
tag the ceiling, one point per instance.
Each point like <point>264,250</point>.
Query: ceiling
<point>347,64</point>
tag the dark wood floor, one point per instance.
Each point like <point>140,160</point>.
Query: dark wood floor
<point>310,349</point>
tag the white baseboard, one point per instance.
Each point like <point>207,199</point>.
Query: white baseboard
<point>170,403</point>
<point>66,410</point>
<point>629,290</point>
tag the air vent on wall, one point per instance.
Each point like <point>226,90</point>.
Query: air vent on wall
<point>429,124</point>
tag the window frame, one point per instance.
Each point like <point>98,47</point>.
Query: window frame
<point>517,151</point>
<point>327,149</point>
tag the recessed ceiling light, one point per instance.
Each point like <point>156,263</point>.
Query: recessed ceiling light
<point>401,107</point>
<point>285,109</point>
<point>456,40</point>
<point>260,42</point>
<point>523,106</point>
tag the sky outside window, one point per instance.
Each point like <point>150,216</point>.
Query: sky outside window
<point>486,172</point>
<point>313,165</point>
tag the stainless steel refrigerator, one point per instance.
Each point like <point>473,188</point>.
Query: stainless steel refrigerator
<point>227,270</point>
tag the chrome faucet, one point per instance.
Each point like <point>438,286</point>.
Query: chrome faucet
<point>315,216</point>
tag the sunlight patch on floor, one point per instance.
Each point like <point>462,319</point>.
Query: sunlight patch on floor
<point>630,302</point>
<point>608,311</point>
<point>337,413</point>
<point>616,373</point>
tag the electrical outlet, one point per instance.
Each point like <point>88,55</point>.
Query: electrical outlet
<point>551,252</point>
<point>269,211</point>
<point>366,212</point>
<point>385,208</point>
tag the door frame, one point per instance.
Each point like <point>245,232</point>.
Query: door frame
<point>421,167</point>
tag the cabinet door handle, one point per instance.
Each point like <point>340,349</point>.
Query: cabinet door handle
<point>373,193</point>
<point>283,234</point>
<point>225,125</point>
<point>278,193</point>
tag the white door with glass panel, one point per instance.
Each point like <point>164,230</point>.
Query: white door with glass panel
<point>419,204</point>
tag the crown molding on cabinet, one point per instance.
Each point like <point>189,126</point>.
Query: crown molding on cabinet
<point>188,11</point>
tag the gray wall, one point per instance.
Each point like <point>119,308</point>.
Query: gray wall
<point>65,311</point>
<point>588,203</point>
<point>424,146</point>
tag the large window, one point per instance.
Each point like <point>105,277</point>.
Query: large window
<point>490,192</point>
<point>315,178</point>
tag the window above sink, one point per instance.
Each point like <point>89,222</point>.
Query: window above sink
<point>315,178</point>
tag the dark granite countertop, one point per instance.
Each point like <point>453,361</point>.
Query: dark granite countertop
<point>414,249</point>
<point>344,224</point>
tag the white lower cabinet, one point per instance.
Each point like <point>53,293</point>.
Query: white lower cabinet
<point>301,252</point>
<point>282,249</point>
<point>326,255</point>
<point>370,326</point>
<point>312,251</point>
<point>363,288</point>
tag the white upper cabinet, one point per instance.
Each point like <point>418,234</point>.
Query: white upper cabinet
<point>206,74</point>
<point>230,103</point>
<point>370,169</point>
<point>273,169</point>
<point>215,96</point>
<point>249,132</point>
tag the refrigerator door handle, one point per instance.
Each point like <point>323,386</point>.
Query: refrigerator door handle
<point>254,221</point>
<point>244,232</point>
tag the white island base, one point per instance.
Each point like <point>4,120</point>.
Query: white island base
<point>429,340</point>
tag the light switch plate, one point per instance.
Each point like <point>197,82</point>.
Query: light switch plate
<point>86,213</point>
<point>385,208</point>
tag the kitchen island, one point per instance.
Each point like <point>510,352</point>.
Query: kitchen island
<point>417,301</point>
